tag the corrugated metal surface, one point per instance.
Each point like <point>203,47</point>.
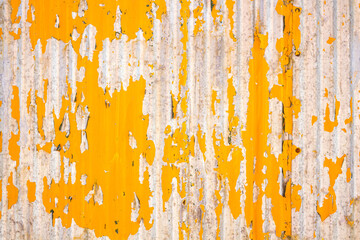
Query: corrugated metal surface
<point>161,119</point>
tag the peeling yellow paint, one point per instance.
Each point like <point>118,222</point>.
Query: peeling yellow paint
<point>31,187</point>
<point>328,124</point>
<point>12,192</point>
<point>230,6</point>
<point>111,151</point>
<point>313,120</point>
<point>329,202</point>
<point>348,175</point>
<point>214,100</point>
<point>14,148</point>
<point>330,40</point>
<point>198,15</point>
<point>114,170</point>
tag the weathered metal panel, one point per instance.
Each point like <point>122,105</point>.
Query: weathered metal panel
<point>179,119</point>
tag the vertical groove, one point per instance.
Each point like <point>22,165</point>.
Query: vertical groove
<point>319,87</point>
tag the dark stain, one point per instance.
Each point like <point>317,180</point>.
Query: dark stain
<point>58,148</point>
<point>212,5</point>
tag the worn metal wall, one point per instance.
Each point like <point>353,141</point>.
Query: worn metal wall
<point>179,119</point>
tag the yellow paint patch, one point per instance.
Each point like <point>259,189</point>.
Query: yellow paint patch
<point>31,187</point>
<point>40,108</point>
<point>348,175</point>
<point>199,19</point>
<point>330,40</point>
<point>329,203</point>
<point>328,124</point>
<point>230,6</point>
<point>313,120</point>
<point>214,100</point>
<point>109,162</point>
<point>326,94</point>
<point>229,169</point>
<point>258,152</point>
<point>14,148</point>
<point>12,192</point>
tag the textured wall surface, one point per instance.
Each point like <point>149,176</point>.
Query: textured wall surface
<point>180,119</point>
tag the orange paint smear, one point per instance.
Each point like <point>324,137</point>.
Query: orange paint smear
<point>15,7</point>
<point>31,187</point>
<point>328,124</point>
<point>14,148</point>
<point>44,147</point>
<point>330,40</point>
<point>232,119</point>
<point>348,175</point>
<point>17,34</point>
<point>313,120</point>
<point>326,94</point>
<point>12,192</point>
<point>200,137</point>
<point>40,109</point>
<point>214,100</point>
